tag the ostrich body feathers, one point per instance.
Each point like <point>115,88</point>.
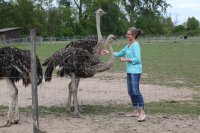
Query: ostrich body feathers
<point>15,64</point>
<point>77,57</point>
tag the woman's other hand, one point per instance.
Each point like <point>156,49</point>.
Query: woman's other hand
<point>122,59</point>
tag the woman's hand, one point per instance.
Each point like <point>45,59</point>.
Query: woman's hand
<point>122,59</point>
<point>104,52</point>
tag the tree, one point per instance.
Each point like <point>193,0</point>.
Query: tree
<point>134,8</point>
<point>7,12</point>
<point>115,22</point>
<point>179,30</point>
<point>192,26</point>
<point>24,15</point>
<point>75,17</point>
<point>149,23</point>
<point>59,23</point>
<point>166,25</point>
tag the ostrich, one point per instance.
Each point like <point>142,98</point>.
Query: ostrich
<point>77,63</point>
<point>92,44</point>
<point>15,64</point>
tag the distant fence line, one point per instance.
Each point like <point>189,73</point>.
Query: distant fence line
<point>55,40</point>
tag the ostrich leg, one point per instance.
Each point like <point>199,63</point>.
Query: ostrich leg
<point>68,106</point>
<point>16,106</point>
<point>77,83</point>
<point>13,104</point>
<point>74,93</point>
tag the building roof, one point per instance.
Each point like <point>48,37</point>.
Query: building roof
<point>9,29</point>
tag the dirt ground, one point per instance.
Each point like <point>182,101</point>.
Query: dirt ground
<point>95,91</point>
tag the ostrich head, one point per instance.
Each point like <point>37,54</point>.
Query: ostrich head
<point>100,12</point>
<point>110,39</point>
<point>104,66</point>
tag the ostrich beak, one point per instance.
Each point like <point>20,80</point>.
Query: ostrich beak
<point>115,39</point>
<point>104,13</point>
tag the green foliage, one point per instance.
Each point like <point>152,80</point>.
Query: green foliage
<point>192,26</point>
<point>40,23</point>
<point>75,17</point>
<point>167,25</point>
<point>192,23</point>
<point>24,16</point>
<point>172,108</point>
<point>156,25</point>
<point>149,22</point>
<point>136,8</point>
<point>115,21</point>
<point>7,11</point>
<point>179,30</point>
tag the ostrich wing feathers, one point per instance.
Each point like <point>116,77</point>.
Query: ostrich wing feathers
<point>73,53</point>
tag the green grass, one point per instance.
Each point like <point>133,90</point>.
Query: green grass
<point>172,64</point>
<point>171,108</point>
<point>176,64</point>
<point>43,50</point>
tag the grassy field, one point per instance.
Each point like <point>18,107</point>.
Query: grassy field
<point>170,64</point>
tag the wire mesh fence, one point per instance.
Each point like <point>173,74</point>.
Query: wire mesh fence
<point>103,98</point>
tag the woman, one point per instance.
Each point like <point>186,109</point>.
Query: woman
<point>132,58</point>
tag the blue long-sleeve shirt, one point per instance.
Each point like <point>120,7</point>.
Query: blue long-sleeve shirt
<point>134,53</point>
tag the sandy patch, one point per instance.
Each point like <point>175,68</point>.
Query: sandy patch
<point>94,91</point>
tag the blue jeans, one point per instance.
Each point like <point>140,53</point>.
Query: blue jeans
<point>133,81</point>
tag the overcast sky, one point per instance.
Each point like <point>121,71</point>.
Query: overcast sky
<point>182,9</point>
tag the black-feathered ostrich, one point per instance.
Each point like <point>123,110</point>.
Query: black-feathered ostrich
<point>15,64</point>
<point>92,44</point>
<point>77,63</point>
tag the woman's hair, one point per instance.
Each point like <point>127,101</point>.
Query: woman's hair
<point>135,31</point>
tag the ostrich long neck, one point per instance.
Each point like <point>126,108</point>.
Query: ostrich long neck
<point>105,66</point>
<point>98,28</point>
<point>100,38</point>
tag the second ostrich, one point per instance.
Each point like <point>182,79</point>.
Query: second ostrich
<point>78,63</point>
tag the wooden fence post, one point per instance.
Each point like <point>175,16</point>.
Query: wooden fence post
<point>34,82</point>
